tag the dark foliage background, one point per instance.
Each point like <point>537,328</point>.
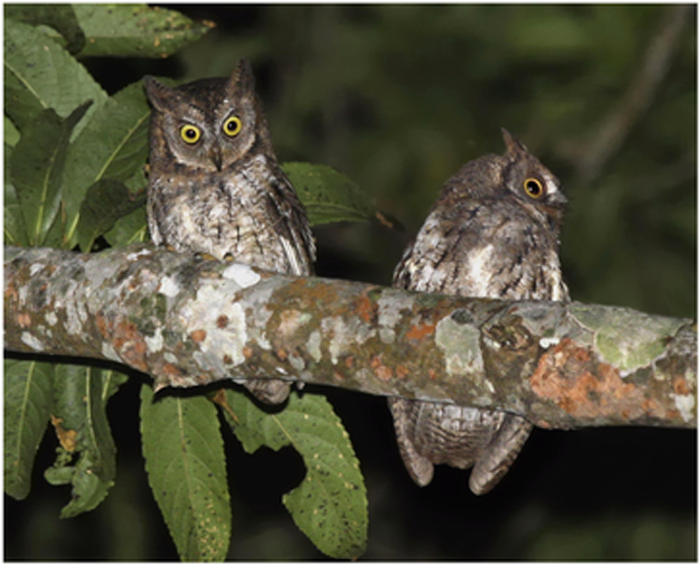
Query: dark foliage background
<point>398,97</point>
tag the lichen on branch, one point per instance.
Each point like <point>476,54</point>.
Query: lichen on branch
<point>188,321</point>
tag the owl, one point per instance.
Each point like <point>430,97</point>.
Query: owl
<point>494,233</point>
<point>216,188</point>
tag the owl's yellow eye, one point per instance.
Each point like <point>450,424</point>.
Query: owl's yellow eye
<point>190,134</point>
<point>533,187</point>
<point>232,126</point>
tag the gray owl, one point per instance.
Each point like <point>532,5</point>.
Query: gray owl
<point>216,186</point>
<point>493,232</point>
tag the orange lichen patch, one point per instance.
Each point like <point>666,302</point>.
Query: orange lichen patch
<point>338,376</point>
<point>365,308</point>
<point>381,371</point>
<point>431,374</point>
<point>282,354</point>
<point>67,438</point>
<point>297,287</point>
<point>102,325</point>
<point>130,344</point>
<point>419,332</point>
<point>24,320</point>
<point>316,293</point>
<point>227,360</point>
<point>585,387</point>
<point>247,352</point>
<point>401,371</point>
<point>11,293</point>
<point>680,386</point>
<point>202,379</point>
<point>198,336</point>
<point>349,361</point>
<point>222,322</point>
<point>171,370</point>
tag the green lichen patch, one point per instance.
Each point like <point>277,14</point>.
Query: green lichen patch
<point>625,338</point>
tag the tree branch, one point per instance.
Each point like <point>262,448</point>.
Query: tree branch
<point>188,322</point>
<point>614,129</point>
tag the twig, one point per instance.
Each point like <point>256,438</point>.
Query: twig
<point>615,128</point>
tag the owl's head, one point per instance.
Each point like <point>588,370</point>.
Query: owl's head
<point>530,180</point>
<point>208,124</point>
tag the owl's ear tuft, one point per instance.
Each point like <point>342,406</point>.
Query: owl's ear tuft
<point>242,80</point>
<point>514,147</point>
<point>158,94</point>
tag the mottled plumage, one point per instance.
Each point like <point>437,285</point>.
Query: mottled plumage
<point>216,186</point>
<point>493,232</point>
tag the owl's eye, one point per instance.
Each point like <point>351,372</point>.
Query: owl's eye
<point>533,187</point>
<point>232,126</point>
<point>190,134</point>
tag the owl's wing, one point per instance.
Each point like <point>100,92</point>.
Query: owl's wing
<point>485,251</point>
<point>435,260</point>
<point>293,227</point>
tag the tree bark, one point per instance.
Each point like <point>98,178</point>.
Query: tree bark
<point>188,321</point>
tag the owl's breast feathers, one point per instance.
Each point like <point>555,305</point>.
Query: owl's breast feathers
<point>483,249</point>
<point>249,212</point>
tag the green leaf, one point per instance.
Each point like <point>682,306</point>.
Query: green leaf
<point>40,74</point>
<point>111,381</point>
<point>27,408</point>
<point>114,145</point>
<point>328,195</point>
<point>60,17</point>
<point>36,168</point>
<point>186,468</point>
<point>330,505</point>
<point>129,229</point>
<point>15,230</point>
<point>135,30</point>
<point>106,201</point>
<point>80,421</point>
<point>11,133</point>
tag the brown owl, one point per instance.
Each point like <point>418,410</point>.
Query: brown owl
<point>216,186</point>
<point>493,232</point>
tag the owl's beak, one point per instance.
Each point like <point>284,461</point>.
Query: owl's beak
<point>557,200</point>
<point>215,156</point>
